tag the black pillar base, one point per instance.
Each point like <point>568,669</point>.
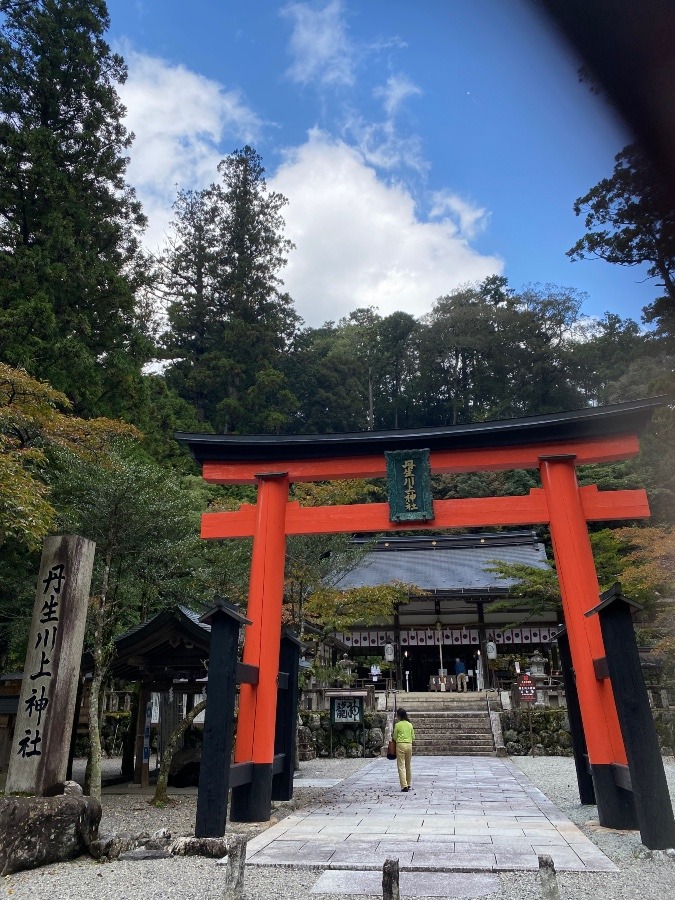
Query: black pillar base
<point>253,802</point>
<point>616,806</point>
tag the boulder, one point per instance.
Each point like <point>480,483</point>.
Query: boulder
<point>184,769</point>
<point>36,831</point>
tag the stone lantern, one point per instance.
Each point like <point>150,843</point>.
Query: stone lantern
<point>537,671</point>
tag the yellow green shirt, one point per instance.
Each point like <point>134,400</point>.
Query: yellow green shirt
<point>403,732</point>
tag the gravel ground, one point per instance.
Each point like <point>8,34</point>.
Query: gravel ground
<point>197,879</point>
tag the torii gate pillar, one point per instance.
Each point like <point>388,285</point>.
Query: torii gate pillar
<point>258,702</point>
<point>579,589</point>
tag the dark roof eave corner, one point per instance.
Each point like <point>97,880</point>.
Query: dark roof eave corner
<point>614,594</point>
<point>620,418</point>
<point>223,605</point>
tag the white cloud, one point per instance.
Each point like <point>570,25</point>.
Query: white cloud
<point>321,50</point>
<point>397,89</point>
<point>180,119</point>
<point>382,146</point>
<point>381,143</point>
<point>468,219</point>
<point>360,242</point>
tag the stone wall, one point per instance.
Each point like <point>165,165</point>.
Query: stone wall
<point>550,729</point>
<point>664,720</point>
<point>347,739</point>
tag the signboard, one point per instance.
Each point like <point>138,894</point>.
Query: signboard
<point>39,756</point>
<point>346,710</point>
<point>527,689</point>
<point>409,486</point>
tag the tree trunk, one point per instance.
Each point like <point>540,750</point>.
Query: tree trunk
<point>94,764</point>
<point>93,780</point>
<point>160,797</point>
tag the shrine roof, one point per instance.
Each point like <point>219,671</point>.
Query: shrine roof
<point>446,564</point>
<point>590,422</point>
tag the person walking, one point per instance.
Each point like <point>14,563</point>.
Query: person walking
<point>404,735</point>
<point>460,673</point>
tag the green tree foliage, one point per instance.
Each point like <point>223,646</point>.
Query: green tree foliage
<point>70,263</point>
<point>630,220</point>
<point>35,418</point>
<point>230,324</point>
<point>641,558</point>
<point>148,552</point>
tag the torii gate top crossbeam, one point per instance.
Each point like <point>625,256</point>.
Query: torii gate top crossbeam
<point>591,435</point>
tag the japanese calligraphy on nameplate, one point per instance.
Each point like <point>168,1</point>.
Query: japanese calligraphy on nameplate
<point>409,485</point>
<point>39,754</point>
<point>346,710</point>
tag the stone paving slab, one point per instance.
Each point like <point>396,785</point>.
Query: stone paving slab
<point>464,813</point>
<point>419,884</point>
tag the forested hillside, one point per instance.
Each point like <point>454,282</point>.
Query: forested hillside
<point>106,350</point>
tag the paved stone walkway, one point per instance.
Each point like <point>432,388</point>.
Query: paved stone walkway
<point>470,814</point>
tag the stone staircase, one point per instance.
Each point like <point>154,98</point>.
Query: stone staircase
<point>449,724</point>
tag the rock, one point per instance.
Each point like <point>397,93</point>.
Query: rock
<point>72,789</point>
<point>214,848</point>
<point>112,846</point>
<point>564,739</point>
<point>162,834</point>
<point>144,853</point>
<point>184,769</point>
<point>35,831</point>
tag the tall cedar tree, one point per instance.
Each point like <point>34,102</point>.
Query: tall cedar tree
<point>230,324</point>
<point>70,263</point>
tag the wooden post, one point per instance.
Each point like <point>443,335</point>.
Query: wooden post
<point>214,769</point>
<point>390,880</point>
<point>287,716</point>
<point>257,703</point>
<point>579,590</point>
<point>147,728</point>
<point>143,699</point>
<point>645,764</point>
<point>41,744</point>
<point>579,749</point>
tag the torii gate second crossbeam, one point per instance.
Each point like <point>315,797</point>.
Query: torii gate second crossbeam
<point>555,444</point>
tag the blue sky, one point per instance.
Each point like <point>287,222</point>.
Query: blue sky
<point>420,145</point>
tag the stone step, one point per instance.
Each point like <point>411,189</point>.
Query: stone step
<point>484,744</point>
<point>446,752</point>
<point>446,707</point>
<point>474,716</point>
<point>454,738</point>
<point>455,732</point>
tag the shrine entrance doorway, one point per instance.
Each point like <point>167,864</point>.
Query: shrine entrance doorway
<point>554,444</point>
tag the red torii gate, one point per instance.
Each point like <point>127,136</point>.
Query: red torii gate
<point>555,444</point>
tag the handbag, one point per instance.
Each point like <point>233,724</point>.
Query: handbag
<point>391,750</point>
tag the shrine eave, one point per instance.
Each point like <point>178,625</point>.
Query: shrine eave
<point>587,423</point>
